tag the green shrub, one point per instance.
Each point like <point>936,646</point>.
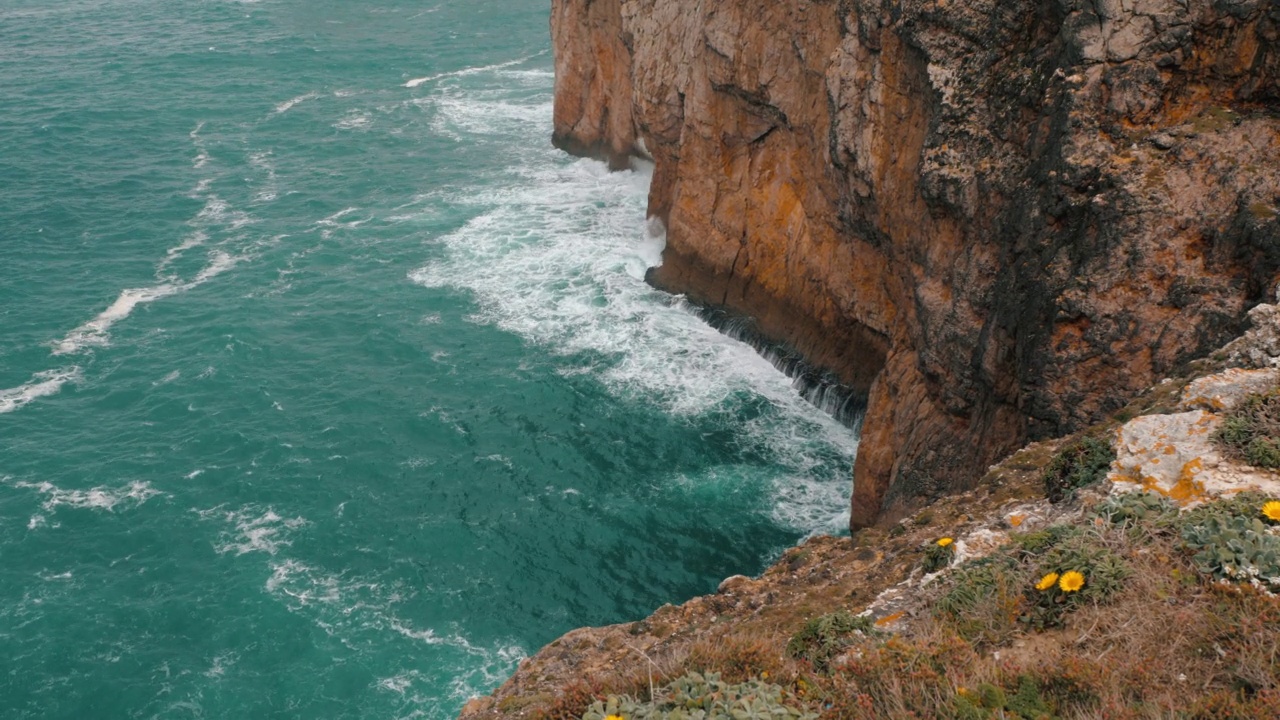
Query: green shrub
<point>1037,542</point>
<point>1244,505</point>
<point>939,555</point>
<point>1027,701</point>
<point>823,638</point>
<point>1104,574</point>
<point>1252,431</point>
<point>703,697</point>
<point>1080,463</point>
<point>1264,452</point>
<point>990,702</point>
<point>1104,570</point>
<point>1138,508</point>
<point>982,599</point>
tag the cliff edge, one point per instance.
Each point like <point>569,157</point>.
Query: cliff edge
<point>1048,591</point>
<point>1001,220</point>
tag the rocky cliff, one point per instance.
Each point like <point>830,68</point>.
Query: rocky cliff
<point>999,218</point>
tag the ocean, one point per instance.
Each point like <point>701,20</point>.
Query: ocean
<point>328,388</point>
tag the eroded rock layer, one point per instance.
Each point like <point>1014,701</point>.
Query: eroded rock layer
<point>1003,218</point>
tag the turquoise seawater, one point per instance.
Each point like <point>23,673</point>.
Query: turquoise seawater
<point>328,388</point>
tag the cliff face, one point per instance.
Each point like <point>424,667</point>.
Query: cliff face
<point>1000,218</point>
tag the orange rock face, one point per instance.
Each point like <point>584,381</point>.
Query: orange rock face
<point>1000,219</point>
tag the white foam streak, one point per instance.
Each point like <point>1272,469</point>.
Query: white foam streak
<point>194,240</point>
<point>216,211</point>
<point>202,155</point>
<point>42,384</point>
<point>101,497</point>
<point>257,530</point>
<point>462,115</point>
<point>354,120</point>
<point>470,71</point>
<point>96,332</point>
<point>288,105</point>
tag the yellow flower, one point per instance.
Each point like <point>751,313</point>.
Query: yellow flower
<point>1272,510</point>
<point>612,717</point>
<point>1071,581</point>
<point>1047,581</point>
<point>943,542</point>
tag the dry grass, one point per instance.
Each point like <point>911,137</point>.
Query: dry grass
<point>1169,645</point>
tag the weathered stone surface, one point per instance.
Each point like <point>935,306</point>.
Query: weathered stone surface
<point>1260,346</point>
<point>1169,454</point>
<point>1227,389</point>
<point>1175,454</point>
<point>734,583</point>
<point>960,198</point>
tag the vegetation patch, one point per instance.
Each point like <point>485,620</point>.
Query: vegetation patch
<point>1037,542</point>
<point>1139,509</point>
<point>982,600</point>
<point>824,638</point>
<point>703,697</point>
<point>988,702</point>
<point>1080,463</point>
<point>1127,613</point>
<point>939,554</point>
<point>1252,431</point>
<point>1245,504</point>
<point>1077,571</point>
<point>1237,540</point>
<point>1036,580</point>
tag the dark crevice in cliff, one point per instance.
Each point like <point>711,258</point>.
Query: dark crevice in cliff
<point>820,387</point>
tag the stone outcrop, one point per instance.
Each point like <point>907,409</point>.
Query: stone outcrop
<point>999,218</point>
<point>1174,454</point>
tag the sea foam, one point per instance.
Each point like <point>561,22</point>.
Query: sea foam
<point>96,332</point>
<point>415,82</point>
<point>291,103</point>
<point>42,384</point>
<point>254,530</point>
<point>366,611</point>
<point>100,498</point>
<point>557,251</point>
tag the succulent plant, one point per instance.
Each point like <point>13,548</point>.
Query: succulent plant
<point>1135,508</point>
<point>939,555</point>
<point>1241,549</point>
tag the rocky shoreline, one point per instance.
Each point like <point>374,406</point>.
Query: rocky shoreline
<point>1002,220</point>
